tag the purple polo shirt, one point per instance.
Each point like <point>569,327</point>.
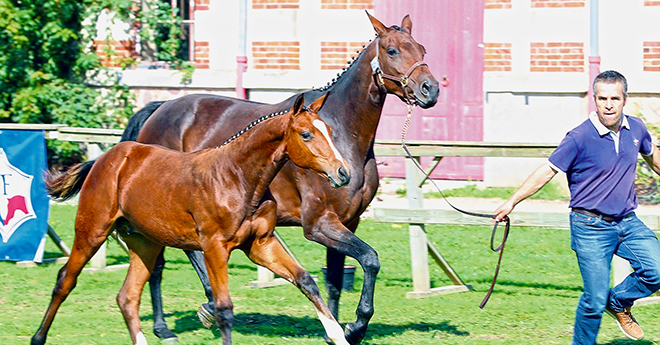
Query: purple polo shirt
<point>599,177</point>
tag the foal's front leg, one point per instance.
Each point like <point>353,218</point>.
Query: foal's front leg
<point>216,257</point>
<point>268,252</point>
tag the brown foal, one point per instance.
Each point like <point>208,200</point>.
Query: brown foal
<point>214,200</point>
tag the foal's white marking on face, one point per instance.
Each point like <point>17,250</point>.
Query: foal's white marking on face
<point>332,329</point>
<point>320,125</point>
<point>140,339</point>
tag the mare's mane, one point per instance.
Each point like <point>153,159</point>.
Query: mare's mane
<point>343,70</point>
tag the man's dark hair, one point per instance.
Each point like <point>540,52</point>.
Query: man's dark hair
<point>611,77</point>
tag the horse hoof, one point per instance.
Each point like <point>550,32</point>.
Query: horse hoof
<point>174,340</point>
<point>354,335</point>
<point>165,335</point>
<point>206,317</point>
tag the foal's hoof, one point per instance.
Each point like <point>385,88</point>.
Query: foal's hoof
<point>206,316</point>
<point>354,334</point>
<point>165,335</point>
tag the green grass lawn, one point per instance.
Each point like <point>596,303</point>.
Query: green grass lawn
<point>533,302</point>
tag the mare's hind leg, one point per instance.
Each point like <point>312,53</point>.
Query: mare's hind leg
<point>143,254</point>
<point>160,326</point>
<point>205,313</point>
<point>85,245</point>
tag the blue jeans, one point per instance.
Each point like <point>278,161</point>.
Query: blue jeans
<point>595,241</point>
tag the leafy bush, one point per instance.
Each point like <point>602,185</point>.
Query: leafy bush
<point>50,73</point>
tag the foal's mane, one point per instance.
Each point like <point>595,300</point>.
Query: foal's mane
<point>252,124</point>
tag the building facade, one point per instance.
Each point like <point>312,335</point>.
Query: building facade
<point>518,70</point>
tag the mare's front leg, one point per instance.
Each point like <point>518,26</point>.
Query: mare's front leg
<point>142,254</point>
<point>216,256</point>
<point>267,251</point>
<point>327,230</point>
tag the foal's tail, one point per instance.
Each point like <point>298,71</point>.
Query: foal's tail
<point>63,186</point>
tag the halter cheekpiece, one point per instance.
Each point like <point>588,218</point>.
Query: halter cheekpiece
<point>402,80</point>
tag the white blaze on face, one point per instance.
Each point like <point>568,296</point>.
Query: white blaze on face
<point>320,125</point>
<point>332,329</point>
<point>140,339</point>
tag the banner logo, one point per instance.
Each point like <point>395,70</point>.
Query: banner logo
<point>15,201</point>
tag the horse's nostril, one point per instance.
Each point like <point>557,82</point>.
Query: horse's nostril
<point>343,175</point>
<point>426,87</point>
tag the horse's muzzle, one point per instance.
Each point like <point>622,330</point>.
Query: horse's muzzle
<point>427,94</point>
<point>342,179</point>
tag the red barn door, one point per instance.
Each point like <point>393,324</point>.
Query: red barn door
<point>452,33</point>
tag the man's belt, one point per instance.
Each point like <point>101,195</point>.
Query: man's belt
<point>596,214</point>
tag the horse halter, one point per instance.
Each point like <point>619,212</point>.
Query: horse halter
<point>402,80</point>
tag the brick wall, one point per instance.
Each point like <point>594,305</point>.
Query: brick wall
<point>558,3</point>
<point>651,3</point>
<point>347,4</point>
<point>557,57</point>
<point>652,56</point>
<point>202,5</point>
<point>335,55</point>
<point>497,57</point>
<point>275,4</point>
<point>202,54</point>
<point>498,4</point>
<point>120,49</point>
<point>276,54</point>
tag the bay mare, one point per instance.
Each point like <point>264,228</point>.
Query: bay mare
<point>390,64</point>
<point>214,200</point>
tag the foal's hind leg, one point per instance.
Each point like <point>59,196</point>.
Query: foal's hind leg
<point>143,254</point>
<point>85,245</point>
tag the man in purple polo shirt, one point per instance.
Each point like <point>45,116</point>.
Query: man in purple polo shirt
<point>599,158</point>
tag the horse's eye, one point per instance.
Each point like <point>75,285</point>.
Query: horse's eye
<point>306,136</point>
<point>392,51</point>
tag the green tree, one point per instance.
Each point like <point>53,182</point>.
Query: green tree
<point>50,73</point>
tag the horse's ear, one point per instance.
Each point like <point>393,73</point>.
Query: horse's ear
<point>298,104</point>
<point>317,104</point>
<point>378,26</point>
<point>406,24</point>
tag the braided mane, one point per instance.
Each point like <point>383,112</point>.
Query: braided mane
<point>344,70</point>
<point>252,124</point>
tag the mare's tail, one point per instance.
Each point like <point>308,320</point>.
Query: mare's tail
<point>62,186</point>
<point>138,119</point>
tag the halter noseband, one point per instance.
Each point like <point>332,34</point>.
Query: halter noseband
<point>403,80</point>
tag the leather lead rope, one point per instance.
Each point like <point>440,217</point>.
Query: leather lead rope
<point>506,219</point>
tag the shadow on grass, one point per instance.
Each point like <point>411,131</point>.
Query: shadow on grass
<point>629,342</point>
<point>545,286</point>
<point>305,327</point>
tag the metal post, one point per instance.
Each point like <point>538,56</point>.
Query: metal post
<point>594,57</point>
<point>241,59</point>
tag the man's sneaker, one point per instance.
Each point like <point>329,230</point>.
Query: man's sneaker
<point>627,323</point>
